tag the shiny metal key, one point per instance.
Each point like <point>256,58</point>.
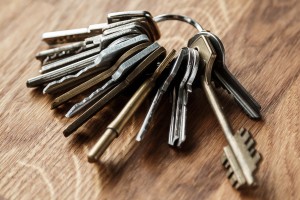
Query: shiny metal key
<point>115,78</point>
<point>148,62</point>
<point>54,54</point>
<point>99,78</point>
<point>127,15</point>
<point>222,76</point>
<point>177,135</point>
<point>116,126</point>
<point>100,42</point>
<point>159,94</point>
<point>114,19</point>
<point>240,157</point>
<point>100,62</point>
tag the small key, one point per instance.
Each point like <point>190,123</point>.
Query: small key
<point>223,76</point>
<point>159,94</point>
<point>101,61</point>
<point>240,157</point>
<point>114,19</point>
<point>120,16</point>
<point>100,42</point>
<point>115,127</point>
<point>154,57</point>
<point>115,78</point>
<point>99,78</point>
<point>177,135</point>
<point>54,54</point>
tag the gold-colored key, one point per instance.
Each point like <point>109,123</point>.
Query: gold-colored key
<point>116,126</point>
<point>97,79</point>
<point>89,113</point>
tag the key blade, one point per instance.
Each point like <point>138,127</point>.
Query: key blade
<point>240,94</point>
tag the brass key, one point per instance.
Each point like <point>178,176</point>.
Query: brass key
<point>240,157</point>
<point>115,127</point>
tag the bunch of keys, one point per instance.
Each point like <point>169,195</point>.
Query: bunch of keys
<point>112,56</point>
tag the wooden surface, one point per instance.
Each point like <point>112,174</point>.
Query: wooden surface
<point>261,39</point>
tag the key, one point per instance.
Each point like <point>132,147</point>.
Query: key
<point>142,27</point>
<point>75,35</point>
<point>119,16</point>
<point>102,41</point>
<point>70,81</point>
<point>154,57</point>
<point>51,55</point>
<point>97,79</point>
<point>116,126</point>
<point>159,94</point>
<point>101,61</point>
<point>222,75</point>
<point>240,157</point>
<point>115,78</point>
<point>177,133</point>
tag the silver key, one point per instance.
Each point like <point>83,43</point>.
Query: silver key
<point>102,41</point>
<point>115,78</point>
<point>101,61</point>
<point>159,94</point>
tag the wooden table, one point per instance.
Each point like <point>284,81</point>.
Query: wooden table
<point>261,39</point>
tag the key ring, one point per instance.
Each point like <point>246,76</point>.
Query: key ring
<point>182,18</point>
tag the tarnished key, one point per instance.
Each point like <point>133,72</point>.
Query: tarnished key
<point>115,78</point>
<point>177,135</point>
<point>240,157</point>
<point>100,42</point>
<point>153,58</point>
<point>114,19</point>
<point>159,94</point>
<point>99,78</point>
<point>223,76</point>
<point>116,126</point>
<point>101,61</point>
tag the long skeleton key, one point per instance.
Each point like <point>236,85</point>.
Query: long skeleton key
<point>222,75</point>
<point>240,156</point>
<point>115,78</point>
<point>88,114</point>
<point>104,59</point>
<point>100,42</point>
<point>115,127</point>
<point>99,78</point>
<point>159,94</point>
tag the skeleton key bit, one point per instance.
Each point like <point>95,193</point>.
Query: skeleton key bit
<point>222,75</point>
<point>159,94</point>
<point>88,114</point>
<point>115,127</point>
<point>240,157</point>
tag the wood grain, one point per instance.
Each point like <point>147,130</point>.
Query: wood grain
<point>261,39</point>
